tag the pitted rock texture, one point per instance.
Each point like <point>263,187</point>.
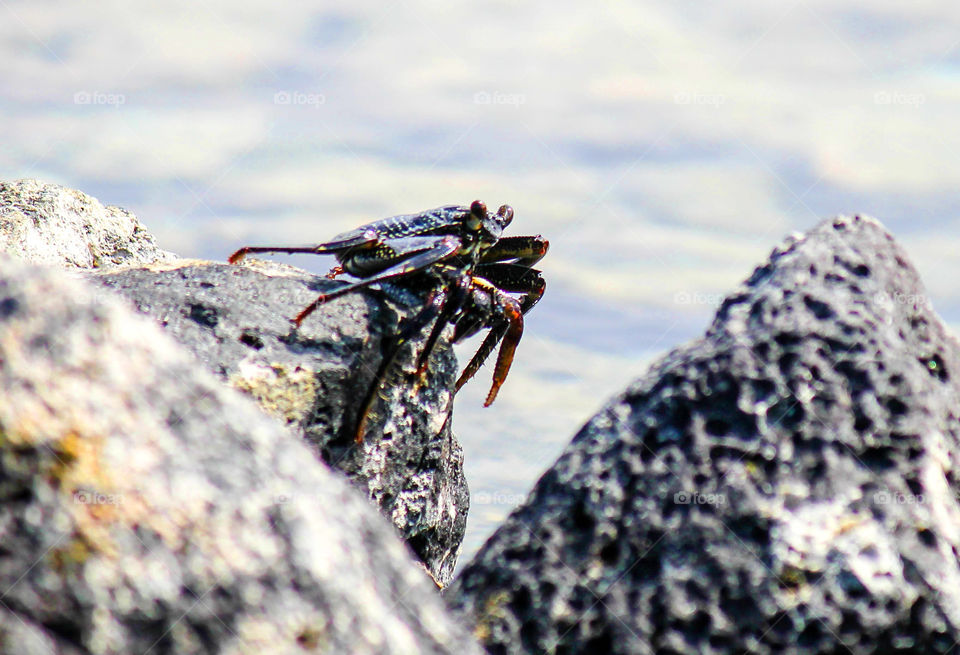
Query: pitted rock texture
<point>49,224</point>
<point>786,484</point>
<point>236,320</point>
<point>148,508</point>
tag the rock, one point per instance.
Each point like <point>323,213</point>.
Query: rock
<point>146,507</point>
<point>49,224</point>
<point>786,484</point>
<point>23,636</point>
<point>236,320</point>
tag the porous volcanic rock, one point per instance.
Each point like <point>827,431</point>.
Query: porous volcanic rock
<point>236,320</point>
<point>148,508</point>
<point>50,224</point>
<point>786,484</point>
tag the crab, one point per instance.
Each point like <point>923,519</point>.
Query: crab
<point>401,245</point>
<point>459,255</point>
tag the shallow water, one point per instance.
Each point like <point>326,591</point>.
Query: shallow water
<point>663,149</point>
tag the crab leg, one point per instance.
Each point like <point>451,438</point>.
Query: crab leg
<point>290,250</point>
<point>367,238</point>
<point>454,302</point>
<point>436,301</point>
<point>444,248</point>
<point>507,348</point>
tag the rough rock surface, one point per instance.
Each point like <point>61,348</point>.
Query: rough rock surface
<point>786,484</point>
<point>147,508</point>
<point>49,224</point>
<point>236,320</point>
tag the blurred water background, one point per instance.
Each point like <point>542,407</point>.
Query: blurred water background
<point>664,148</point>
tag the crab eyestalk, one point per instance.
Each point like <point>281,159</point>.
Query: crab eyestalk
<point>506,215</point>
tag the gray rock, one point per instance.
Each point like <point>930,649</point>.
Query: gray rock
<point>146,507</point>
<point>22,635</point>
<point>236,320</point>
<point>786,484</point>
<point>49,224</point>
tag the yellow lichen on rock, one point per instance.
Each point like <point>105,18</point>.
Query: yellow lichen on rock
<point>493,610</point>
<point>283,392</point>
<point>94,500</point>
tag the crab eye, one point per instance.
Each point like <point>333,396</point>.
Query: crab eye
<point>506,214</point>
<point>478,209</point>
<point>478,212</point>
